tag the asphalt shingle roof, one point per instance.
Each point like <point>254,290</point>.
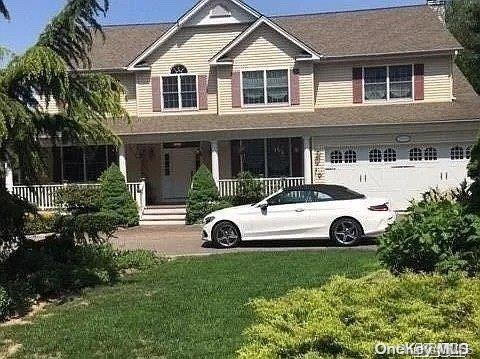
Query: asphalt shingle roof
<point>363,32</point>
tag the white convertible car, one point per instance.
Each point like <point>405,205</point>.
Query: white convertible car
<point>303,212</point>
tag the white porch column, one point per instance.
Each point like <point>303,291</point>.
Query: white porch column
<point>122,160</point>
<point>8,178</point>
<point>307,159</point>
<point>215,162</point>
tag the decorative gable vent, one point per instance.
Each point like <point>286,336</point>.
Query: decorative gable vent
<point>220,11</point>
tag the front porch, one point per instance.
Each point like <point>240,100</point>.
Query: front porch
<point>161,172</point>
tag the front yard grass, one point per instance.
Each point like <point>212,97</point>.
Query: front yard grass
<point>187,308</point>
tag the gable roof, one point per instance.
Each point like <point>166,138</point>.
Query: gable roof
<point>409,29</point>
<point>217,59</point>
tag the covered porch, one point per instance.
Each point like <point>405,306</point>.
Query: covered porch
<point>159,172</point>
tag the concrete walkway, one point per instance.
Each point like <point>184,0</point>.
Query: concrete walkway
<point>186,241</point>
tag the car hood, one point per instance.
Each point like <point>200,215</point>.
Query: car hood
<point>231,210</point>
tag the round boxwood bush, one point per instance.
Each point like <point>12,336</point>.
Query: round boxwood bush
<point>436,235</point>
<point>346,318</point>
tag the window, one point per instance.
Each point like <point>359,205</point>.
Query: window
<point>375,79</point>
<point>290,197</point>
<point>456,153</point>
<point>336,157</point>
<point>166,164</point>
<point>390,155</point>
<point>468,152</point>
<point>350,156</point>
<point>265,87</point>
<point>416,154</point>
<point>253,157</point>
<point>318,196</point>
<point>431,154</point>
<point>278,153</point>
<point>180,89</point>
<point>375,155</point>
<point>400,82</point>
<point>86,164</point>
<point>388,82</point>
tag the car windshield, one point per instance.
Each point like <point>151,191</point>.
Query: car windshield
<point>314,194</point>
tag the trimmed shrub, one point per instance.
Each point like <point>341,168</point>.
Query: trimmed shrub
<point>41,223</point>
<point>138,259</point>
<point>437,235</point>
<point>346,318</point>
<point>249,190</point>
<point>79,199</point>
<point>202,196</point>
<point>5,303</point>
<point>116,201</point>
<point>474,174</point>
<point>87,228</point>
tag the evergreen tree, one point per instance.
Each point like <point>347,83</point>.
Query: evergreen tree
<point>474,174</point>
<point>201,196</point>
<point>116,199</point>
<point>463,21</point>
<point>49,70</point>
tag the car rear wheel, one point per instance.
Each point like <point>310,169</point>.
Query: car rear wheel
<point>346,232</point>
<point>226,235</point>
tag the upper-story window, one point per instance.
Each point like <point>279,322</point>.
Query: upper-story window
<point>179,89</point>
<point>265,87</point>
<point>388,82</point>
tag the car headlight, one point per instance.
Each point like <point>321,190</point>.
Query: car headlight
<point>208,219</point>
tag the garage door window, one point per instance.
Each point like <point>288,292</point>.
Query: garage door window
<point>468,152</point>
<point>350,156</point>
<point>390,155</point>
<point>416,154</point>
<point>336,157</point>
<point>431,154</point>
<point>456,153</point>
<point>375,155</point>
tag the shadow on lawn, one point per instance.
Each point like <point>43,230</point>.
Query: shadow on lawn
<point>295,244</point>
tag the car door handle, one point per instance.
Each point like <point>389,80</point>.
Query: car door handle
<point>299,210</point>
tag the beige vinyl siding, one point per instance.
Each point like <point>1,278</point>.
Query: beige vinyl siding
<point>333,82</point>
<point>192,47</point>
<point>438,85</point>
<point>129,100</point>
<point>52,107</point>
<point>265,49</point>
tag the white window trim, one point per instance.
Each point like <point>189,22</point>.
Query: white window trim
<point>412,99</point>
<point>265,103</point>
<point>180,107</point>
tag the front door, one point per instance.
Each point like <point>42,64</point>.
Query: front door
<point>179,165</point>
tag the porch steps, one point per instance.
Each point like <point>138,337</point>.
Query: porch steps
<point>164,215</point>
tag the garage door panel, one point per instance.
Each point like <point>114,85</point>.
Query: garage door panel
<point>403,173</point>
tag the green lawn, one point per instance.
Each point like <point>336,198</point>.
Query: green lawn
<point>188,308</point>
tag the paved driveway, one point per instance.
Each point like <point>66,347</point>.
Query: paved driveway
<point>186,240</point>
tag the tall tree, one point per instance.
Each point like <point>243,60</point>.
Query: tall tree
<point>463,21</point>
<point>49,70</point>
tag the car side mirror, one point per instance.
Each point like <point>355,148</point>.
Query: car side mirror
<point>263,205</point>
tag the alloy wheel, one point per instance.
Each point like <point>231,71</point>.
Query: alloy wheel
<point>226,235</point>
<point>346,232</point>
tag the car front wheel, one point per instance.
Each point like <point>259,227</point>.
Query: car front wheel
<point>346,232</point>
<point>226,235</point>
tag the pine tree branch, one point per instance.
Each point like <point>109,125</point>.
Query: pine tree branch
<point>4,10</point>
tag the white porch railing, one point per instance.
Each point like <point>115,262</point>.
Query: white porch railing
<point>43,196</point>
<point>228,187</point>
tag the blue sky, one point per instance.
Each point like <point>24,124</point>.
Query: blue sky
<point>30,16</point>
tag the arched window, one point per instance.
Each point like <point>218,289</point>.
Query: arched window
<point>416,154</point>
<point>375,155</point>
<point>178,69</point>
<point>456,153</point>
<point>350,156</point>
<point>468,152</point>
<point>390,155</point>
<point>431,154</point>
<point>336,157</point>
<point>179,90</point>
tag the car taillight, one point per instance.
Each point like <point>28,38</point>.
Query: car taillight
<point>379,208</point>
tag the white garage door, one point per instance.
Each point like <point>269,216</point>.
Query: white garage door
<point>398,173</point>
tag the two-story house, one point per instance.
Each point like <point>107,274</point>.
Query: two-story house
<point>370,99</point>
